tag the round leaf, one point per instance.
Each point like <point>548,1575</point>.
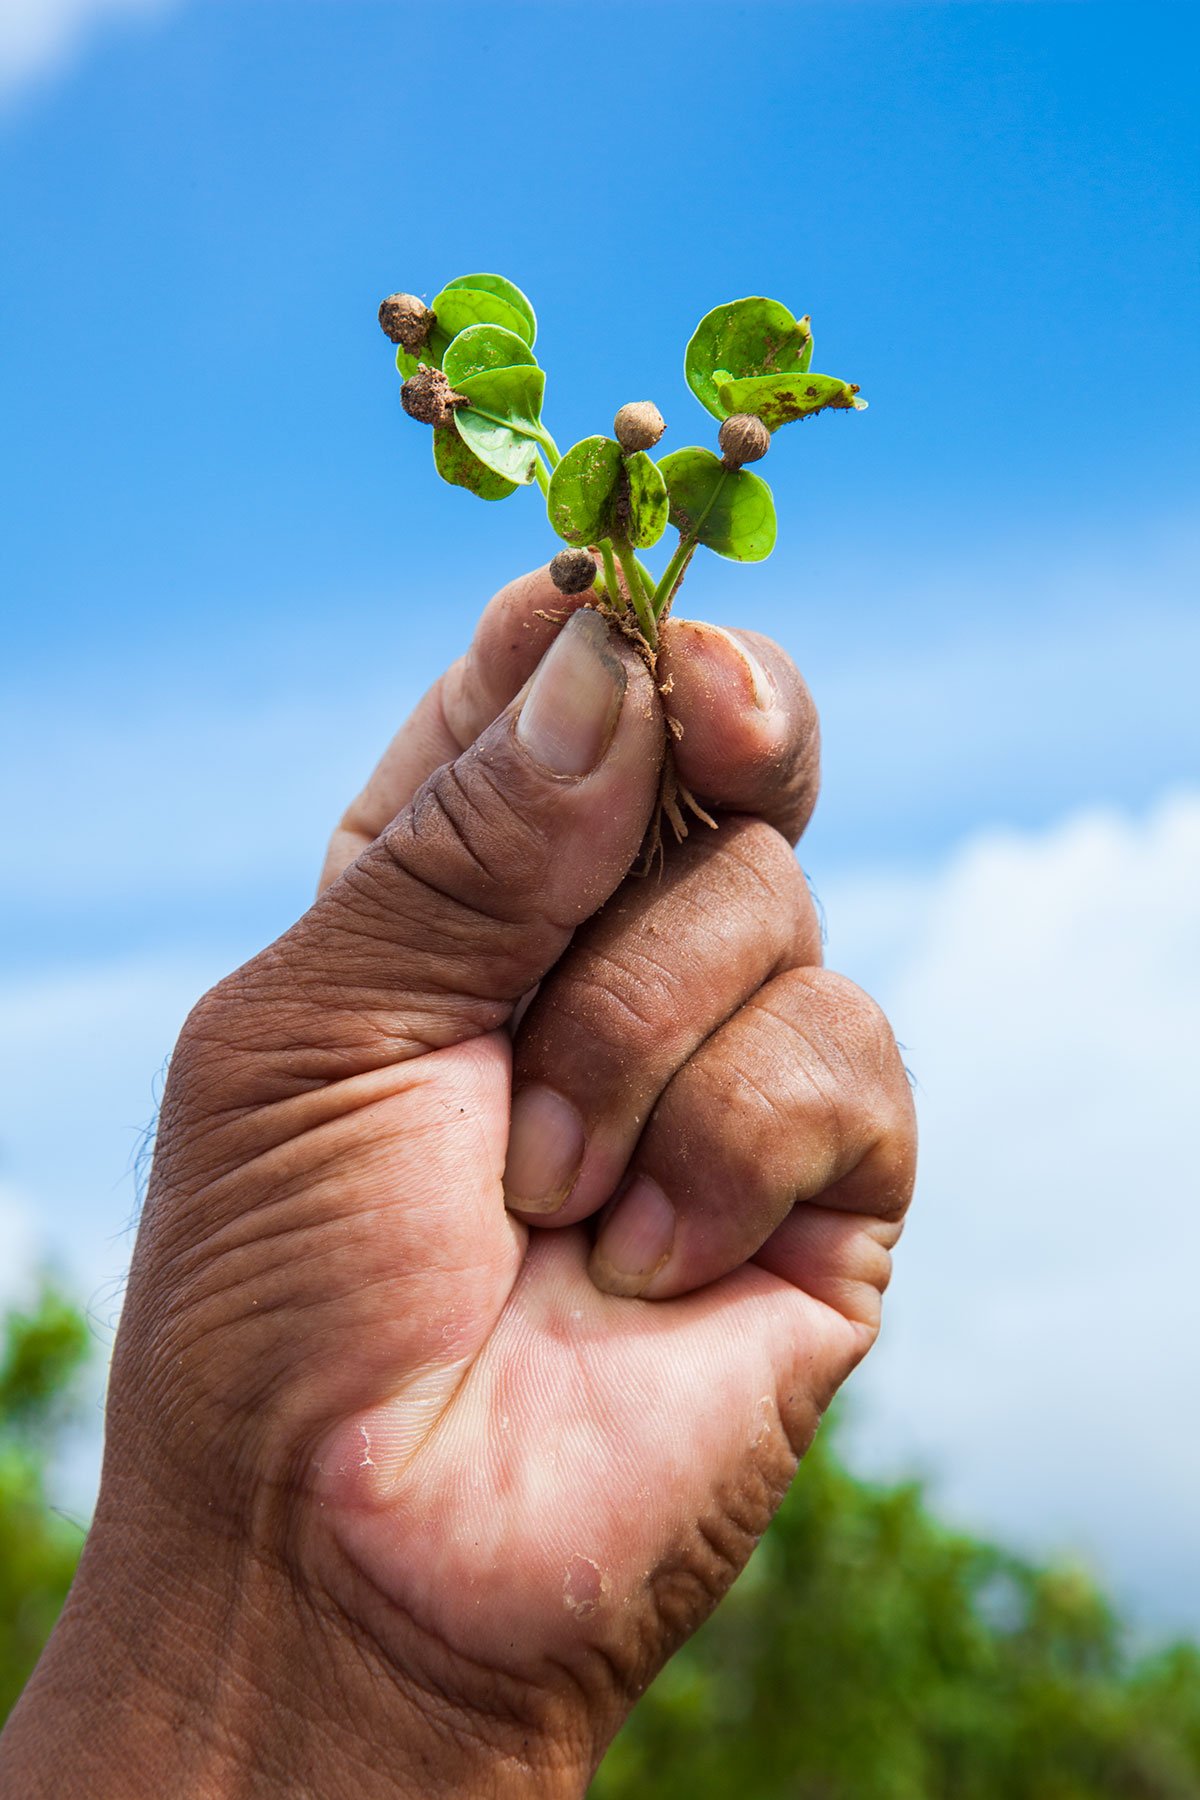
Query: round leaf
<point>482,347</point>
<point>430,354</point>
<point>461,303</point>
<point>470,300</point>
<point>729,510</point>
<point>579,501</point>
<point>507,291</point>
<point>598,492</point>
<point>745,337</point>
<point>461,467</point>
<point>647,500</point>
<point>501,424</point>
<point>778,399</point>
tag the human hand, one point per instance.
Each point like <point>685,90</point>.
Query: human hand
<point>404,1493</point>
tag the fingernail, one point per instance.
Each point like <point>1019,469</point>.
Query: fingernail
<point>755,684</point>
<point>761,686</point>
<point>636,1241</point>
<point>572,708</point>
<point>546,1142</point>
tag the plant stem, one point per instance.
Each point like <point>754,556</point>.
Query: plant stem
<point>553,453</point>
<point>672,576</point>
<point>647,577</point>
<point>610,573</point>
<point>637,591</point>
<point>542,474</point>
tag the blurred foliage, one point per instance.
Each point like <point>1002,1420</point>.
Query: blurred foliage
<point>868,1653</point>
<point>42,1351</point>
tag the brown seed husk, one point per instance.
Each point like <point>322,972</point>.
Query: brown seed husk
<point>638,426</point>
<point>743,438</point>
<point>428,396</point>
<point>572,571</point>
<point>406,320</point>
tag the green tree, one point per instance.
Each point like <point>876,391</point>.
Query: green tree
<point>868,1653</point>
<point>42,1352</point>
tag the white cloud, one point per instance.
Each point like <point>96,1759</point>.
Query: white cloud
<point>1040,1355</point>
<point>38,38</point>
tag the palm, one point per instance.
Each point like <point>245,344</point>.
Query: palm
<point>547,1448</point>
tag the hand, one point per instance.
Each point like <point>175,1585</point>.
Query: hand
<point>407,1492</point>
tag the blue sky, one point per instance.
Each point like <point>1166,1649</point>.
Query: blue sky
<point>213,499</point>
<point>226,568</point>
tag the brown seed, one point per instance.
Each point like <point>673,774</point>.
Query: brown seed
<point>428,396</point>
<point>743,439</point>
<point>572,571</point>
<point>406,320</point>
<point>638,426</point>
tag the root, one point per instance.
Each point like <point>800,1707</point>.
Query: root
<point>673,798</point>
<point>624,620</point>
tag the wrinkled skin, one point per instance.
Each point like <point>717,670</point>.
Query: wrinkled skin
<point>408,1490</point>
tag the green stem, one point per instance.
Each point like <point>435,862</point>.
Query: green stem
<point>542,474</point>
<point>647,577</point>
<point>672,575</point>
<point>553,453</point>
<point>610,573</point>
<point>637,592</point>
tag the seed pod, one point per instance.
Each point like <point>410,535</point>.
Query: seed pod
<point>572,571</point>
<point>406,320</point>
<point>638,426</point>
<point>428,396</point>
<point>743,439</point>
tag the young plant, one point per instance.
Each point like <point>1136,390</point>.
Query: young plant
<point>471,374</point>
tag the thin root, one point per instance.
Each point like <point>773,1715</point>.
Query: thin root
<point>673,798</point>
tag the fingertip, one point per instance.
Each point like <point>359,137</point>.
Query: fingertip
<point>514,632</point>
<point>721,665</point>
<point>749,736</point>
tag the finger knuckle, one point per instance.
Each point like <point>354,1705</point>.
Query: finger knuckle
<point>464,825</point>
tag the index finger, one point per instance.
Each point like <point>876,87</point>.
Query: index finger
<point>747,728</point>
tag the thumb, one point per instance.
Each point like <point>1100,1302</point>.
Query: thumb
<point>473,891</point>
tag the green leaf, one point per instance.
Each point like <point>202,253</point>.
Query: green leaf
<point>745,337</point>
<point>461,467</point>
<point>484,300</point>
<point>647,500</point>
<point>507,291</point>
<point>470,300</point>
<point>481,347</point>
<point>729,510</point>
<point>778,399</point>
<point>579,501</point>
<point>598,492</point>
<point>502,423</point>
<point>430,353</point>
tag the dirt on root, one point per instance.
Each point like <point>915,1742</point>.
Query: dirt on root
<point>675,802</point>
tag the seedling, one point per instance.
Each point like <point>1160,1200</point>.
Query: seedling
<point>471,374</point>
